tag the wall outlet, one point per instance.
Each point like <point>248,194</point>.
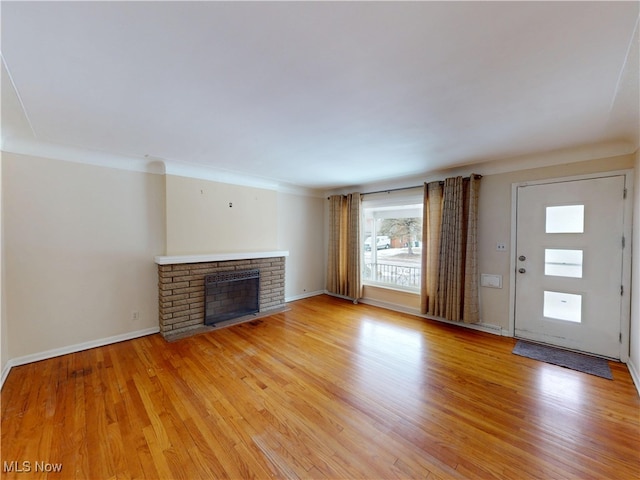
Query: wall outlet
<point>135,315</point>
<point>501,247</point>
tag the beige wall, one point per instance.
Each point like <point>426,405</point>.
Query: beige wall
<point>79,245</point>
<point>634,356</point>
<point>83,238</point>
<point>494,225</point>
<point>395,299</point>
<point>199,219</point>
<point>300,231</point>
<point>4,334</point>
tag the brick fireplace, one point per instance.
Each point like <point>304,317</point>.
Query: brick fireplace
<point>181,285</point>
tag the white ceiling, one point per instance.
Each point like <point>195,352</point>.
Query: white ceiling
<point>319,95</point>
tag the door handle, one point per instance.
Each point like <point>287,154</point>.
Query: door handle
<point>521,270</point>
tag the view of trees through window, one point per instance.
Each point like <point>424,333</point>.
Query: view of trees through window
<point>393,246</point>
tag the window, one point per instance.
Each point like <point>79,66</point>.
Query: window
<point>392,241</point>
<point>563,306</point>
<point>563,263</point>
<point>565,219</point>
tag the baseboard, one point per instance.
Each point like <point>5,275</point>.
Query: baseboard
<point>343,297</point>
<point>390,306</point>
<point>56,352</point>
<point>493,329</point>
<point>5,372</point>
<point>304,295</point>
<point>635,375</point>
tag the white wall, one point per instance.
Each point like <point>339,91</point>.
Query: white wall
<point>79,245</point>
<point>301,232</point>
<point>634,356</point>
<point>200,220</point>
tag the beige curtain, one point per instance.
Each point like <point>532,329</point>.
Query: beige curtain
<point>449,273</point>
<point>471,297</point>
<point>431,221</point>
<point>343,269</point>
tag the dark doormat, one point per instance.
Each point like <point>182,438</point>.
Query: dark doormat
<point>575,361</point>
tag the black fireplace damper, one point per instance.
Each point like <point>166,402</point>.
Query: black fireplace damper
<point>231,295</point>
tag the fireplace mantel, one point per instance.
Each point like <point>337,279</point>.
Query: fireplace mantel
<point>217,257</point>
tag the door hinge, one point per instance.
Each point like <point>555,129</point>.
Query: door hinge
<point>624,193</point>
<point>623,241</point>
<point>621,290</point>
<point>620,337</point>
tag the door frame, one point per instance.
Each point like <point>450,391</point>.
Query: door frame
<point>625,310</point>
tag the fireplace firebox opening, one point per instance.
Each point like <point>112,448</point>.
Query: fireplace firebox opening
<point>230,295</point>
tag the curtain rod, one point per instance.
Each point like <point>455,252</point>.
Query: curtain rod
<point>389,190</point>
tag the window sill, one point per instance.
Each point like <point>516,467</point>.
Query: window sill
<point>395,288</point>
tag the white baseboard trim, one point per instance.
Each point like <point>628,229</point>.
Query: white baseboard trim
<point>635,375</point>
<point>56,352</point>
<point>343,297</point>
<point>390,306</point>
<point>506,333</point>
<point>493,329</point>
<point>5,372</point>
<point>304,295</point>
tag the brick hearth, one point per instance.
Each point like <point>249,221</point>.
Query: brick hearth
<point>181,289</point>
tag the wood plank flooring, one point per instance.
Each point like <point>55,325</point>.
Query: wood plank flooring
<point>327,389</point>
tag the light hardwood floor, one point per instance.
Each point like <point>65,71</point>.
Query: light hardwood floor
<point>327,389</point>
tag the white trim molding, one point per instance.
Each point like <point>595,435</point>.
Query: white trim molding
<point>304,295</point>
<point>56,352</point>
<point>635,375</point>
<point>217,257</point>
<point>5,372</point>
<point>146,164</point>
<point>482,327</point>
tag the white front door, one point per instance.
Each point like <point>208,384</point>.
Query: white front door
<point>569,252</point>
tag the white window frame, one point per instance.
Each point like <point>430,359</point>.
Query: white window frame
<point>399,199</point>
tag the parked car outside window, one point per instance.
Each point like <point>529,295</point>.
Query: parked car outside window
<point>382,242</point>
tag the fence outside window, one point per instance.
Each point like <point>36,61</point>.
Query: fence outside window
<point>400,275</point>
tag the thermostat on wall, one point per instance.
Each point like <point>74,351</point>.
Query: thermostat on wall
<point>491,281</point>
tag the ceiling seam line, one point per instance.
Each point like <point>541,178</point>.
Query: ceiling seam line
<point>15,89</point>
<point>624,64</point>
